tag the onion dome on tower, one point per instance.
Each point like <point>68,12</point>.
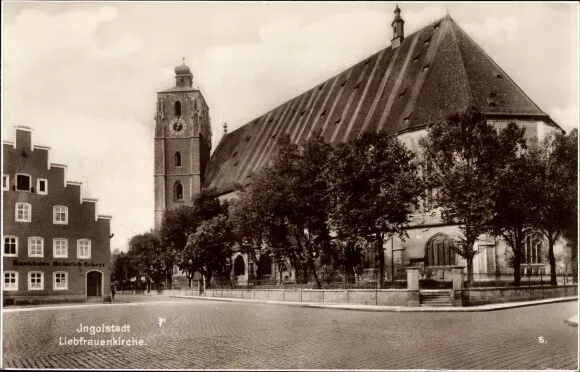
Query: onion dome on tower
<point>183,76</point>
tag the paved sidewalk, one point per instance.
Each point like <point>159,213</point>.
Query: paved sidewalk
<point>490,307</point>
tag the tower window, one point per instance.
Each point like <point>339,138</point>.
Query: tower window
<point>178,191</point>
<point>178,159</point>
<point>177,107</point>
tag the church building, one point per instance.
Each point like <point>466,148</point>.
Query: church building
<point>417,79</point>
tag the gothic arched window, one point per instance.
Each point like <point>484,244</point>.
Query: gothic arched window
<point>439,251</point>
<point>178,159</point>
<point>177,107</point>
<point>178,191</point>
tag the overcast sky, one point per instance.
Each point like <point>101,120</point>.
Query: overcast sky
<point>84,75</point>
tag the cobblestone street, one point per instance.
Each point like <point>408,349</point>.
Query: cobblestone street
<point>210,334</point>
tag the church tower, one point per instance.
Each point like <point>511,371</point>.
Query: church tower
<point>182,144</point>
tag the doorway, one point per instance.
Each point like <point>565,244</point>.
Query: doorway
<point>94,284</point>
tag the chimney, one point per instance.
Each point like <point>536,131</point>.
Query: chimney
<point>398,29</point>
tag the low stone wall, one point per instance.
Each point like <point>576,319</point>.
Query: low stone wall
<point>385,297</point>
<point>483,296</point>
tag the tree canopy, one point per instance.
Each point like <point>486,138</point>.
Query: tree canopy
<point>461,163</point>
<point>373,182</point>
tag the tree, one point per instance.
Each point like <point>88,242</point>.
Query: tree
<point>249,231</point>
<point>180,223</point>
<point>209,250</point>
<point>147,255</point>
<point>287,203</point>
<point>176,226</point>
<point>556,209</point>
<point>516,195</point>
<point>460,162</point>
<point>373,182</point>
<point>122,270</point>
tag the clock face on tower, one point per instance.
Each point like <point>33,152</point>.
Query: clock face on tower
<point>177,126</point>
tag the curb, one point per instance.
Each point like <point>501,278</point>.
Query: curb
<point>376,308</point>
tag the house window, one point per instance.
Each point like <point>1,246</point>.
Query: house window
<point>178,159</point>
<point>23,212</point>
<point>177,108</point>
<point>533,249</point>
<point>10,281</point>
<point>60,215</point>
<point>5,182</point>
<point>178,191</point>
<point>10,246</point>
<point>42,186</point>
<point>35,247</point>
<point>83,248</point>
<point>60,248</point>
<point>35,280</point>
<point>60,280</point>
<point>23,182</point>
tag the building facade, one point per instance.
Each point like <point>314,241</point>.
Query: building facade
<point>418,79</point>
<point>56,247</point>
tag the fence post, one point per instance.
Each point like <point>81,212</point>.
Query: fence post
<point>300,292</point>
<point>323,296</point>
<point>346,293</point>
<point>283,294</point>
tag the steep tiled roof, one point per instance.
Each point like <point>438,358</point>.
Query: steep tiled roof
<point>436,71</point>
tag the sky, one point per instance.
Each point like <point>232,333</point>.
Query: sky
<point>84,75</point>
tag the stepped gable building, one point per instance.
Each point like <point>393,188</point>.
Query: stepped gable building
<point>418,79</point>
<point>56,246</point>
